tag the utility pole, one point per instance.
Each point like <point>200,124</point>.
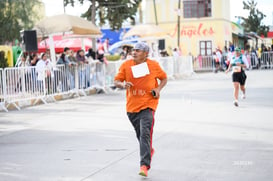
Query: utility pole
<point>64,6</point>
<point>93,14</point>
<point>178,23</point>
<point>155,14</point>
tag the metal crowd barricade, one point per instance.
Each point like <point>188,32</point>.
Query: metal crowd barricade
<point>167,64</point>
<point>266,60</point>
<point>83,77</point>
<point>205,63</point>
<point>183,66</point>
<point>2,86</point>
<point>83,71</point>
<point>60,81</point>
<point>99,74</point>
<point>30,84</point>
<point>93,74</point>
<point>111,69</point>
<point>254,63</point>
<point>21,84</point>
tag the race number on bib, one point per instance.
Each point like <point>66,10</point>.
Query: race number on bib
<point>236,69</point>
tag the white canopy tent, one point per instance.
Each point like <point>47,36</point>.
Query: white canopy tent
<point>65,24</point>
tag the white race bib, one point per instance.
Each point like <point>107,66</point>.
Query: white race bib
<point>236,68</point>
<point>140,70</point>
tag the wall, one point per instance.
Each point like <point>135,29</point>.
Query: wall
<point>216,28</point>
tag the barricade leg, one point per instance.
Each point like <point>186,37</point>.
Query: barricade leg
<point>2,105</point>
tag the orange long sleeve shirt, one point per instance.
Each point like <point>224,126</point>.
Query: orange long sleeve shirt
<point>139,96</point>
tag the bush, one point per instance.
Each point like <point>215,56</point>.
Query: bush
<point>3,60</point>
<point>112,57</point>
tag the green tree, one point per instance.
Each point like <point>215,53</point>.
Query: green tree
<point>16,15</point>
<point>112,12</point>
<point>253,23</point>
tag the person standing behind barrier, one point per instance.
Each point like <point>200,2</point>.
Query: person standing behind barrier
<point>175,53</point>
<point>65,75</point>
<point>23,76</point>
<point>124,53</point>
<point>33,62</point>
<point>238,63</point>
<point>200,61</point>
<point>83,70</point>
<point>72,58</point>
<point>216,62</point>
<point>139,76</point>
<point>91,54</point>
<point>254,59</point>
<point>219,56</point>
<point>34,59</point>
<point>43,72</point>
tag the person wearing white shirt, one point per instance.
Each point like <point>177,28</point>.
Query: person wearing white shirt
<point>43,68</point>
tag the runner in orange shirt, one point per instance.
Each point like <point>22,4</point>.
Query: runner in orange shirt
<point>139,76</point>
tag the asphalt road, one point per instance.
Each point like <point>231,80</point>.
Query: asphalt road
<point>199,135</point>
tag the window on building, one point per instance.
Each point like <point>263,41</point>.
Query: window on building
<point>197,8</point>
<point>205,48</point>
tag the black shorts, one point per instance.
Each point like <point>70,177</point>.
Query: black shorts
<point>239,77</point>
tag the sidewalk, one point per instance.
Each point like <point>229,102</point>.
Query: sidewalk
<point>198,135</point>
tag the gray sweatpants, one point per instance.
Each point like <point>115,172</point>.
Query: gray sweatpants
<point>143,123</point>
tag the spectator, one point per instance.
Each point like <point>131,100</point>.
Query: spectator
<point>254,58</point>
<point>24,76</point>
<point>164,53</point>
<point>175,53</point>
<point>66,51</point>
<point>72,58</point>
<point>68,78</point>
<point>106,45</point>
<point>100,56</point>
<point>200,61</point>
<point>84,70</point>
<point>80,57</point>
<point>23,62</point>
<point>219,56</point>
<point>91,54</point>
<point>124,53</point>
<point>43,68</point>
<point>34,59</point>
<point>62,60</point>
<point>216,62</point>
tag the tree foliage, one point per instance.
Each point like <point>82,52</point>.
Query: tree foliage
<point>253,23</point>
<point>16,15</point>
<point>112,12</point>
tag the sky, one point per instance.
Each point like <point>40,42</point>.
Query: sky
<point>54,7</point>
<point>265,6</point>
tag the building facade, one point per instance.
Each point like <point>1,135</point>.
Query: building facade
<point>204,24</point>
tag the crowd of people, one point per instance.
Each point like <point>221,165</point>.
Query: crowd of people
<point>221,58</point>
<point>45,70</point>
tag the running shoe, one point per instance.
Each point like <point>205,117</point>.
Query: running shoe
<point>236,103</point>
<point>143,171</point>
<point>243,96</point>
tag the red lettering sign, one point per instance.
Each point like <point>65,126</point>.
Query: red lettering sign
<point>194,31</point>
